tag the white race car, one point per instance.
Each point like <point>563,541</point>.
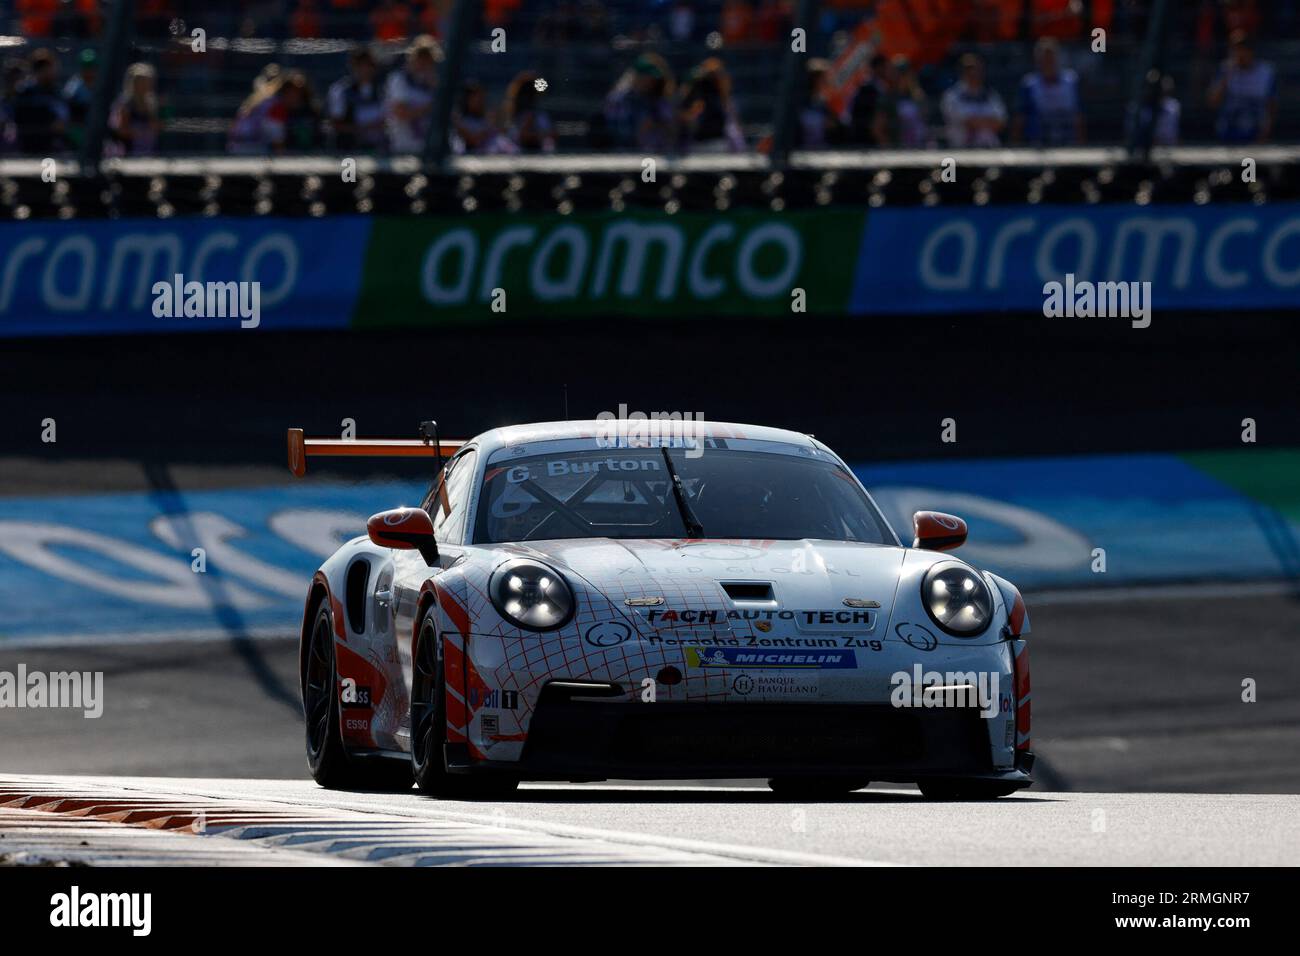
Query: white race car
<point>587,600</point>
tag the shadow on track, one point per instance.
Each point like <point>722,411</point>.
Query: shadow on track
<point>578,793</point>
<point>171,502</point>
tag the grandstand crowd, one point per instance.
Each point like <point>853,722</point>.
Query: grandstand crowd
<point>907,91</point>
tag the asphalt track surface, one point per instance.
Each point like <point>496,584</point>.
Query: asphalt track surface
<point>1133,691</point>
<point>1148,755</point>
<point>143,821</point>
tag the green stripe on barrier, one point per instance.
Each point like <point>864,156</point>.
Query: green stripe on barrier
<point>1267,475</point>
<point>422,271</point>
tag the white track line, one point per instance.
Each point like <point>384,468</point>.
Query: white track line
<point>684,844</point>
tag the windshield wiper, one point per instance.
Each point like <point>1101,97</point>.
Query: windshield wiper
<point>693,527</point>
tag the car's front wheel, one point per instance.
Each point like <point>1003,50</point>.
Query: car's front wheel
<point>965,789</point>
<point>429,727</point>
<point>327,758</point>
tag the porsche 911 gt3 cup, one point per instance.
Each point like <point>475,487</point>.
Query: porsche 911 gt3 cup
<point>584,601</point>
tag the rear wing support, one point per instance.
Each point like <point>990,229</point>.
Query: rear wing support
<point>426,446</point>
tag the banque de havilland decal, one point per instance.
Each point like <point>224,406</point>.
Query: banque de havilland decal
<point>563,606</point>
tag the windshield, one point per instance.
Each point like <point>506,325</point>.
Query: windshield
<point>627,493</point>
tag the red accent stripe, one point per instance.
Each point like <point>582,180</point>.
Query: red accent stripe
<point>1021,664</point>
<point>458,616</point>
<point>1022,672</point>
<point>456,714</point>
<point>453,663</point>
<point>1016,620</point>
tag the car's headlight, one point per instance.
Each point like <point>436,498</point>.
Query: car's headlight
<point>530,595</point>
<point>956,598</point>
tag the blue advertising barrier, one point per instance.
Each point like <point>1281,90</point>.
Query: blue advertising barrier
<point>992,258</point>
<point>99,277</point>
<point>81,277</point>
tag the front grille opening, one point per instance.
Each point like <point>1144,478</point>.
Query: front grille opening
<point>748,590</point>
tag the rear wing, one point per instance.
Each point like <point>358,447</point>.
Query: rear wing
<point>428,445</point>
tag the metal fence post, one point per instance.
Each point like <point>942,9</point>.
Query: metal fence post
<point>111,70</point>
<point>438,142</point>
<point>1146,82</point>
<point>793,74</point>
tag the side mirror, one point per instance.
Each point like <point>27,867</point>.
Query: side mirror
<point>936,531</point>
<point>404,528</point>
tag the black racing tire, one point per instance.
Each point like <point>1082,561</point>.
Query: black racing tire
<point>429,727</point>
<point>957,789</point>
<point>327,758</point>
<point>815,788</point>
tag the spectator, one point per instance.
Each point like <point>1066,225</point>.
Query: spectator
<point>708,119</point>
<point>250,133</point>
<point>911,106</point>
<point>681,21</point>
<point>408,96</point>
<point>301,114</point>
<point>280,114</point>
<point>873,114</point>
<point>133,122</point>
<point>1245,94</point>
<point>1240,15</point>
<point>1168,115</point>
<point>391,21</point>
<point>40,115</point>
<point>79,94</point>
<point>1048,112</point>
<point>973,114</point>
<point>471,130</point>
<point>356,105</point>
<point>528,126</point>
<point>819,127</point>
<point>639,110</point>
<point>15,75</point>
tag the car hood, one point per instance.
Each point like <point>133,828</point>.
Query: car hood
<point>805,576</point>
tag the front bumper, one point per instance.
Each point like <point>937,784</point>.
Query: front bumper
<point>590,739</point>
